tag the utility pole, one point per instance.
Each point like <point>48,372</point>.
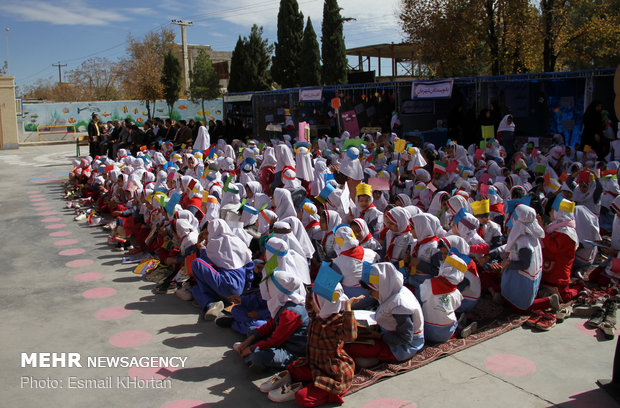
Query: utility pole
<point>184,24</point>
<point>59,73</point>
<point>6,37</point>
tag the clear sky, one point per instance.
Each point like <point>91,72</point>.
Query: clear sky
<point>42,33</point>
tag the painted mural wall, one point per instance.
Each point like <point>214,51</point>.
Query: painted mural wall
<point>78,114</point>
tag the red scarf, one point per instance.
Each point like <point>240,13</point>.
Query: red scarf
<point>424,241</point>
<point>364,212</point>
<point>311,225</point>
<point>390,250</point>
<point>440,286</point>
<point>366,239</point>
<point>325,238</point>
<point>355,252</point>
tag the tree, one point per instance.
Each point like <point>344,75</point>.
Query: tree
<point>141,69</point>
<point>333,49</point>
<point>205,84</point>
<point>171,80</point>
<point>249,70</point>
<point>310,61</point>
<point>96,80</point>
<point>286,61</point>
<point>238,62</point>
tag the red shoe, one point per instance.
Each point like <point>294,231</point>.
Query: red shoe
<point>534,318</point>
<point>546,322</point>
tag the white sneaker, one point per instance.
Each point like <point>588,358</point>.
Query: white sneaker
<point>80,217</point>
<point>213,310</point>
<point>236,347</point>
<point>285,392</point>
<point>276,381</point>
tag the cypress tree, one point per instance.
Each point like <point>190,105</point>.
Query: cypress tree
<point>286,61</point>
<point>310,61</point>
<point>332,45</point>
<point>259,58</point>
<point>171,80</point>
<point>238,66</point>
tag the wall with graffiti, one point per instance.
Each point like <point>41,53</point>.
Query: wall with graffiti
<point>78,114</point>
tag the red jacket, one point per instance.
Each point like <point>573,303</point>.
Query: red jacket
<point>558,256</point>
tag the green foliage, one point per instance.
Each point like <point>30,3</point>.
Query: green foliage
<point>205,84</point>
<point>286,61</point>
<point>171,80</point>
<point>333,48</point>
<point>250,63</point>
<point>310,61</point>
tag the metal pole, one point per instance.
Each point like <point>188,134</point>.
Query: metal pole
<point>6,37</point>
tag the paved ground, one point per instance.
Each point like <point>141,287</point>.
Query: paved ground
<point>65,291</point>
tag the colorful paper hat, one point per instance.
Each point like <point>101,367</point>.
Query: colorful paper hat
<point>370,276</point>
<point>458,260</point>
<point>325,283</point>
<point>481,207</point>
<point>562,204</point>
<point>364,189</point>
<point>325,193</point>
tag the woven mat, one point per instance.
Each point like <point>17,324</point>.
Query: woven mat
<point>492,321</point>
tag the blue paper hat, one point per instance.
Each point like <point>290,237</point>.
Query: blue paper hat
<point>325,283</point>
<point>172,202</point>
<point>352,155</point>
<point>339,226</point>
<point>464,257</point>
<point>368,275</point>
<point>249,209</point>
<point>512,204</point>
<point>327,190</point>
<point>278,285</point>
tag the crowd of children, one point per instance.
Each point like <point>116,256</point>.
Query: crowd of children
<point>288,241</point>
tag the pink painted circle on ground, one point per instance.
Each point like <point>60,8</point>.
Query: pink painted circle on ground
<point>588,331</point>
<point>72,252</point>
<point>88,276</point>
<point>64,242</point>
<point>130,338</point>
<point>510,365</point>
<point>51,219</point>
<point>44,208</point>
<point>37,195</point>
<point>47,213</point>
<point>389,403</point>
<point>37,199</point>
<point>55,226</point>
<point>57,234</point>
<point>155,373</point>
<point>41,204</point>
<point>78,263</point>
<point>98,293</point>
<point>33,192</point>
<point>112,313</point>
<point>186,403</point>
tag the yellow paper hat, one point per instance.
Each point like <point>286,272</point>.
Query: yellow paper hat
<point>480,207</point>
<point>364,189</point>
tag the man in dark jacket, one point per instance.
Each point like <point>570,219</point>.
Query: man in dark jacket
<point>93,136</point>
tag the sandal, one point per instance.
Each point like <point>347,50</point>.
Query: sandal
<point>564,313</point>
<point>608,329</point>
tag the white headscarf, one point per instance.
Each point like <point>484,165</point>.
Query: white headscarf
<point>320,169</point>
<point>225,249</point>
<point>327,308</point>
<point>187,234</point>
<point>504,126</point>
<point>276,298</point>
<point>288,258</point>
<point>269,157</point>
<point>350,165</point>
<point>427,226</point>
<point>284,157</point>
<point>283,203</point>
<point>587,225</point>
<point>203,140</point>
<point>526,224</point>
<point>304,164</point>
<point>348,240</point>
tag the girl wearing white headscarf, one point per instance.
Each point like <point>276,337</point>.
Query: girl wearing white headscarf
<point>304,171</point>
<point>311,221</point>
<point>587,226</point>
<point>203,140</point>
<point>399,316</point>
<point>224,268</point>
<point>559,247</point>
<point>398,238</point>
<point>364,236</point>
<point>349,260</point>
<point>284,161</point>
<point>350,165</point>
<point>267,170</point>
<point>439,208</point>
<point>318,182</point>
<point>426,230</point>
<point>282,339</point>
<point>585,194</point>
<point>283,203</point>
<point>192,196</point>
<point>466,226</point>
<point>522,272</point>
<point>247,168</point>
<point>440,299</point>
<point>328,220</point>
<point>471,286</point>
